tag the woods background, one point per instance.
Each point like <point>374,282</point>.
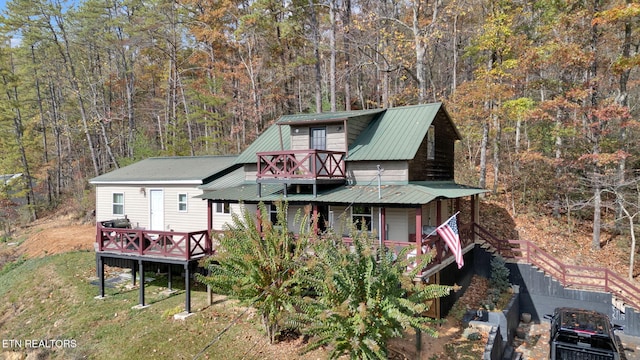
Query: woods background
<point>544,92</point>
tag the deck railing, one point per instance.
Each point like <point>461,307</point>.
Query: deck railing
<point>582,277</point>
<point>171,244</point>
<point>301,164</point>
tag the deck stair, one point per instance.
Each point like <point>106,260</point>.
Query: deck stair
<point>624,292</point>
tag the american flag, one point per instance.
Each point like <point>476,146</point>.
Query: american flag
<point>449,233</point>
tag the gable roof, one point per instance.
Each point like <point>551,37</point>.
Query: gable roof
<point>396,134</point>
<point>193,170</point>
<point>269,140</point>
<point>391,134</point>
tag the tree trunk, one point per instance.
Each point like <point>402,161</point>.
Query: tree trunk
<point>483,155</point>
<point>316,53</point>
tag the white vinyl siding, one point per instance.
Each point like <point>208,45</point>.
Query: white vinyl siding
<point>137,206</point>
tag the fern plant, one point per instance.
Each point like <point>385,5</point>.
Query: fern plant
<point>258,266</point>
<point>362,298</point>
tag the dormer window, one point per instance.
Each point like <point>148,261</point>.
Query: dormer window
<point>431,143</point>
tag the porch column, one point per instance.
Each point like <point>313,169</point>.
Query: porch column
<point>187,289</point>
<point>169,285</point>
<point>101,275</point>
<point>259,218</point>
<point>383,225</point>
<point>439,212</point>
<point>141,271</point>
<point>473,208</point>
<point>209,215</point>
<point>315,219</point>
<point>418,236</point>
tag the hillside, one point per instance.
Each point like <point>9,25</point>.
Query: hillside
<point>60,303</point>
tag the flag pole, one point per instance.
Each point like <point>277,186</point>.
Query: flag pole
<point>446,222</point>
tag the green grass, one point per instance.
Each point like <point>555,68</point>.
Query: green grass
<point>53,298</point>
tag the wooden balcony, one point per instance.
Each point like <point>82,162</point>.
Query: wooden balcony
<point>292,167</point>
<point>301,165</point>
<point>150,243</point>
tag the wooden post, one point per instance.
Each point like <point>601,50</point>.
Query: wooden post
<point>315,219</point>
<point>383,225</point>
<point>169,285</point>
<point>187,288</point>
<point>101,275</point>
<point>210,215</point>
<point>418,236</point>
<point>141,269</point>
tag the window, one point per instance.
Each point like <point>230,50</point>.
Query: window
<point>273,214</point>
<point>361,217</point>
<point>182,202</point>
<point>118,203</point>
<point>222,208</point>
<point>431,143</point>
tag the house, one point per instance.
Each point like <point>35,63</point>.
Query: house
<point>388,171</point>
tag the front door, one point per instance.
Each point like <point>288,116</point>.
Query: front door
<point>156,210</point>
<point>318,141</point>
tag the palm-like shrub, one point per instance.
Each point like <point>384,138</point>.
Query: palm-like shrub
<point>362,298</point>
<point>259,267</point>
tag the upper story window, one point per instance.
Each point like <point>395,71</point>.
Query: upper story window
<point>431,143</point>
<point>318,138</point>
<point>118,203</point>
<point>362,217</point>
<point>222,208</point>
<point>182,202</point>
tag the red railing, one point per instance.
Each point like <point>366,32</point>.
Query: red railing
<point>301,164</point>
<point>583,277</point>
<point>170,244</point>
<point>432,243</point>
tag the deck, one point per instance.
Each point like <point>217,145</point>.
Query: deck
<point>185,246</point>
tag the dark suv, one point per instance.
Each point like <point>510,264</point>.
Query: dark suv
<point>578,334</point>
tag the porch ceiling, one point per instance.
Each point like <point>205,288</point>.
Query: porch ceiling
<point>413,193</point>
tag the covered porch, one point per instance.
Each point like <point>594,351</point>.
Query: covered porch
<point>394,213</point>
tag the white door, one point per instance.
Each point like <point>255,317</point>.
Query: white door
<point>156,209</point>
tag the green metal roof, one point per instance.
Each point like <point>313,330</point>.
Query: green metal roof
<point>326,117</point>
<point>393,134</point>
<point>411,194</point>
<point>232,179</point>
<point>269,140</point>
<point>396,134</point>
<point>176,170</point>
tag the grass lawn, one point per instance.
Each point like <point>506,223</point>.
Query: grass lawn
<point>52,299</point>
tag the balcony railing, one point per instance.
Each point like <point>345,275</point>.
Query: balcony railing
<point>301,165</point>
<point>168,244</point>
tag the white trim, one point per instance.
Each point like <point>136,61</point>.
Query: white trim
<point>185,202</point>
<point>113,203</point>
<point>148,182</point>
<point>363,215</point>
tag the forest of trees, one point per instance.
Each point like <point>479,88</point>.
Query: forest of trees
<point>545,92</point>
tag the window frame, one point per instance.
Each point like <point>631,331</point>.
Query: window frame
<point>114,203</point>
<point>222,207</point>
<point>356,217</point>
<point>185,202</point>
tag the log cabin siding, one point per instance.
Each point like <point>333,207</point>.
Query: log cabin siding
<point>334,132</point>
<point>440,168</point>
<point>366,172</point>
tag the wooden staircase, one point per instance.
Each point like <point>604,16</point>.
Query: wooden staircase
<point>571,276</point>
